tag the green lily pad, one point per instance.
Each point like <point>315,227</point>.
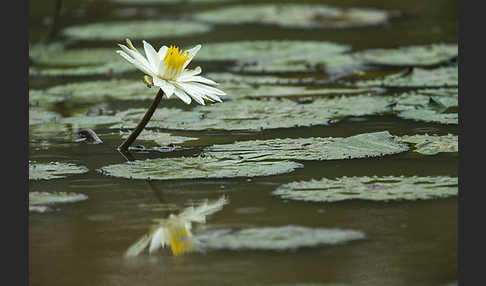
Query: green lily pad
<point>296,16</point>
<point>282,238</point>
<point>262,114</point>
<point>39,201</point>
<point>418,77</point>
<point>162,139</point>
<point>365,145</point>
<point>77,62</point>
<point>146,29</point>
<point>40,116</point>
<point>153,2</point>
<point>429,106</point>
<point>196,168</point>
<point>91,121</point>
<point>53,170</point>
<point>410,56</point>
<point>433,144</point>
<point>388,188</point>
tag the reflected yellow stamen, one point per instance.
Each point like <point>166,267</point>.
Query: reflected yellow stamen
<point>173,61</point>
<point>179,239</point>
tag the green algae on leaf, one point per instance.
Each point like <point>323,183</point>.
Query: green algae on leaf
<point>40,201</point>
<point>196,168</point>
<point>428,55</point>
<point>282,238</point>
<point>418,77</point>
<point>146,29</point>
<point>53,170</point>
<point>296,16</point>
<point>433,144</point>
<point>387,188</point>
<point>365,145</point>
<point>263,114</point>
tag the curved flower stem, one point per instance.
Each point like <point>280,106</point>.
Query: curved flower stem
<point>141,125</point>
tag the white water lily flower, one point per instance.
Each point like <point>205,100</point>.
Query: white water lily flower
<point>167,69</point>
<point>175,231</point>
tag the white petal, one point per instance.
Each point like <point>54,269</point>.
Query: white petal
<point>138,58</point>
<point>151,55</point>
<point>155,242</point>
<point>197,79</point>
<point>165,86</point>
<point>162,52</point>
<point>192,93</point>
<point>188,73</point>
<point>192,53</point>
<point>138,246</point>
<point>182,95</point>
<point>125,56</point>
<point>205,88</point>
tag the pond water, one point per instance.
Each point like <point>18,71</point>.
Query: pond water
<point>407,242</point>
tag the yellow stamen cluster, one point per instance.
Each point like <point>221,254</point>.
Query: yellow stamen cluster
<point>173,61</point>
<point>179,238</point>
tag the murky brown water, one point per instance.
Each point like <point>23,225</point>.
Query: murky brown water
<point>408,243</point>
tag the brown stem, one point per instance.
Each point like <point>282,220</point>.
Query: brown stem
<point>141,125</point>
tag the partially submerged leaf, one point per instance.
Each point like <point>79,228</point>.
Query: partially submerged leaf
<point>428,55</point>
<point>53,170</point>
<point>433,144</point>
<point>40,201</point>
<point>296,16</point>
<point>282,238</point>
<point>366,145</point>
<point>146,29</point>
<point>418,77</point>
<point>387,188</point>
<point>196,168</point>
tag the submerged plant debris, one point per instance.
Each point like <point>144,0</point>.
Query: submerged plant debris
<point>282,238</point>
<point>175,231</point>
<point>432,144</point>
<point>419,56</point>
<point>366,145</point>
<point>41,201</point>
<point>53,170</point>
<point>197,168</point>
<point>387,188</point>
<point>143,30</point>
<point>296,16</point>
<point>246,114</point>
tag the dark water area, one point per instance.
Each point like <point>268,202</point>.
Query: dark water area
<point>83,243</point>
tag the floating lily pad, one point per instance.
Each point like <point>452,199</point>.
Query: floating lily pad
<point>438,106</point>
<point>296,16</point>
<point>40,116</point>
<point>152,2</point>
<point>418,77</point>
<point>388,188</point>
<point>162,139</point>
<point>146,29</point>
<point>53,170</point>
<point>40,201</point>
<point>248,114</point>
<point>61,62</point>
<point>196,168</point>
<point>433,144</point>
<point>275,238</point>
<point>366,145</point>
<point>410,56</point>
<point>91,121</point>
